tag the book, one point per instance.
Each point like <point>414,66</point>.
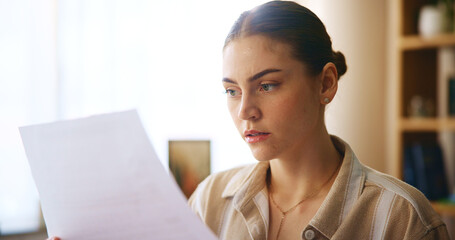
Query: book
<point>424,169</point>
<point>408,167</point>
<point>452,96</point>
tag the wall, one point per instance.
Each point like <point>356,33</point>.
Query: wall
<point>28,82</point>
<point>357,113</point>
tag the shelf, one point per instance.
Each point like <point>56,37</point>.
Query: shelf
<point>414,42</point>
<point>427,124</point>
<point>444,209</point>
<point>417,67</point>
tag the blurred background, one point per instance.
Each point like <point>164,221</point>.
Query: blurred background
<point>64,59</point>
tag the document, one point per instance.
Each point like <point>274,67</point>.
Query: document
<point>100,178</point>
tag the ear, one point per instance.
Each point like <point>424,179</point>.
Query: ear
<point>329,83</point>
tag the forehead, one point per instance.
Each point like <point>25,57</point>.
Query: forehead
<point>250,54</point>
<point>260,42</point>
<point>252,46</point>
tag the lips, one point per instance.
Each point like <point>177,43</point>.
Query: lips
<point>254,136</point>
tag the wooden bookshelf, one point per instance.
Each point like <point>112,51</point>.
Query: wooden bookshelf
<point>444,208</point>
<point>415,42</point>
<point>414,65</point>
<point>427,124</point>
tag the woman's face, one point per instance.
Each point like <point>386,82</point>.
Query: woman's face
<point>275,105</point>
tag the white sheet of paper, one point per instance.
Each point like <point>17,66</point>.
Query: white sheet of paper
<point>100,178</point>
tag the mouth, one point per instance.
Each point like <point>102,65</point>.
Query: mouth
<point>256,134</point>
<point>253,136</point>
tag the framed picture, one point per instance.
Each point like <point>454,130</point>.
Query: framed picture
<point>189,162</point>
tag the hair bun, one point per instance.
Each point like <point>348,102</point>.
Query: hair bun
<point>340,63</point>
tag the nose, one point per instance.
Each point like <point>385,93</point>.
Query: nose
<point>249,109</point>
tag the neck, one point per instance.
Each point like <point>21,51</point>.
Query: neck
<point>307,171</point>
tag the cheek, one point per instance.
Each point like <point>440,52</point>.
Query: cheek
<point>289,106</point>
<point>231,108</point>
<point>294,111</point>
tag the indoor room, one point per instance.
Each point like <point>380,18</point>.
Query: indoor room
<point>64,60</point>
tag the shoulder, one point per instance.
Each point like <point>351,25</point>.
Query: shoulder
<point>217,188</point>
<point>222,183</point>
<point>402,204</point>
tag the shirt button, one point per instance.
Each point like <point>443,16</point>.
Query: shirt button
<point>309,234</point>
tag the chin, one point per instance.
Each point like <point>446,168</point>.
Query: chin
<point>262,155</point>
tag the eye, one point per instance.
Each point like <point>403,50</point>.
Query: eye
<point>231,92</point>
<point>267,87</point>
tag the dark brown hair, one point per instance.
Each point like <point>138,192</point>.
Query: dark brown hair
<point>295,25</point>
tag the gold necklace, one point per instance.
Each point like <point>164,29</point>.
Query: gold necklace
<point>314,193</point>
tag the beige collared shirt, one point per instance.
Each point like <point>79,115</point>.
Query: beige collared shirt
<point>361,204</point>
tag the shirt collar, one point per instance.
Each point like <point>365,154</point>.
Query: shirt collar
<point>344,192</point>
<point>346,189</point>
<point>247,182</point>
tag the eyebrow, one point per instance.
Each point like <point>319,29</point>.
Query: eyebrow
<point>255,76</point>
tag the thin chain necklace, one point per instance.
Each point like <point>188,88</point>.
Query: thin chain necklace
<point>284,213</point>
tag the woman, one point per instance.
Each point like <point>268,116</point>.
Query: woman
<point>279,72</point>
